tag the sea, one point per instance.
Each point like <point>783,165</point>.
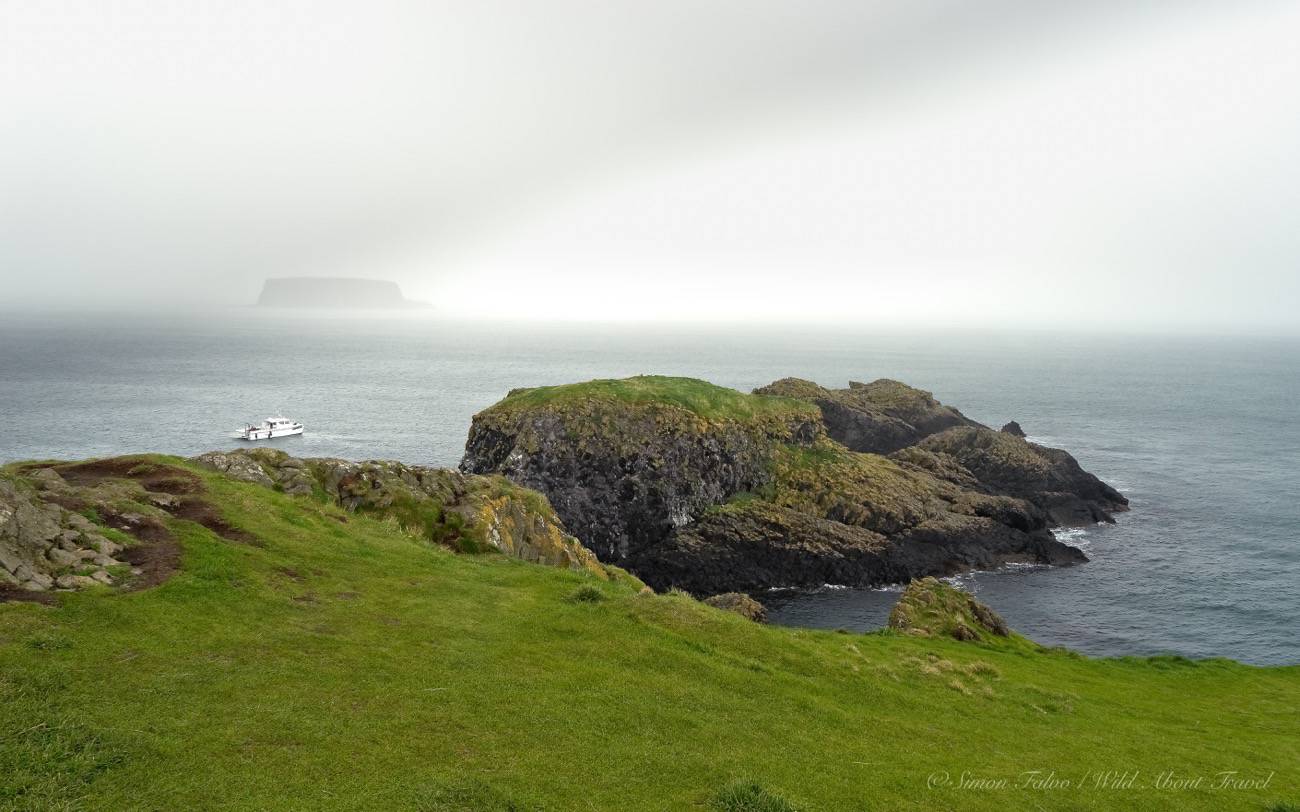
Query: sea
<point>1202,433</point>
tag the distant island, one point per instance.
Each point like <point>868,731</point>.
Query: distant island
<point>334,292</point>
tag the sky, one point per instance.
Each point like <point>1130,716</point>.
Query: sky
<point>1129,165</point>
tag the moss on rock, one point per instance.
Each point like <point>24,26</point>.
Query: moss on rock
<point>465,512</point>
<point>931,608</point>
<point>741,604</point>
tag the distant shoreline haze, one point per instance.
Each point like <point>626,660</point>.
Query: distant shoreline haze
<point>334,293</point>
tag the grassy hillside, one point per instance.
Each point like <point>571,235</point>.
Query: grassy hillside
<point>333,661</point>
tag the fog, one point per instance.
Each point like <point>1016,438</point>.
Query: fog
<point>1104,165</point>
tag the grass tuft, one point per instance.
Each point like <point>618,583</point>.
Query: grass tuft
<point>748,796</point>
<point>586,594</point>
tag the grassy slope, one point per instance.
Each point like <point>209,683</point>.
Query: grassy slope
<point>700,397</point>
<point>350,666</point>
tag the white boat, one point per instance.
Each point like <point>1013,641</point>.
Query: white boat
<point>271,427</point>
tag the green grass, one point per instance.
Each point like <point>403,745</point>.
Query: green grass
<point>698,397</point>
<point>353,666</point>
<point>748,796</point>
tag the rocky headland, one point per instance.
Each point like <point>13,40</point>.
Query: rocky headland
<point>711,490</point>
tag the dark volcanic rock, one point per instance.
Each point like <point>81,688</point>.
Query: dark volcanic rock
<point>1049,477</point>
<point>879,417</point>
<point>703,488</point>
<point>888,417</point>
<point>624,473</point>
<point>761,546</point>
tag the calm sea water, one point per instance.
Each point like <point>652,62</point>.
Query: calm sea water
<point>1203,434</point>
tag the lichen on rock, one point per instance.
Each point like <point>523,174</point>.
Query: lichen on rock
<point>468,513</point>
<point>45,546</point>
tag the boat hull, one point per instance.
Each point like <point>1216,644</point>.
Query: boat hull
<point>266,434</point>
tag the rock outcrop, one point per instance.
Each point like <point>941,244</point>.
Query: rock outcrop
<point>56,521</point>
<point>741,604</point>
<point>1013,428</point>
<point>627,463</point>
<point>45,546</point>
<point>877,417</point>
<point>931,608</point>
<point>1048,477</point>
<point>710,490</point>
<point>465,512</point>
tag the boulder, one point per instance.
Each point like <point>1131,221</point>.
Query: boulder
<point>165,501</point>
<point>741,604</point>
<point>61,557</point>
<point>236,465</point>
<point>9,560</point>
<point>1013,428</point>
<point>102,544</point>
<point>45,478</point>
<point>931,608</point>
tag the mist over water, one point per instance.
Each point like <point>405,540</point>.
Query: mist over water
<point>1200,433</point>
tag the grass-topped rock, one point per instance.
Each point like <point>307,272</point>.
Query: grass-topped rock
<point>626,463</point>
<point>711,490</point>
<point>930,608</point>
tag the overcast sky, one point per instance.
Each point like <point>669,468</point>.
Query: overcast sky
<point>1002,163</point>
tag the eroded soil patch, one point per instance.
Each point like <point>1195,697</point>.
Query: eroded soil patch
<point>156,562</point>
<point>153,476</point>
<point>13,593</point>
<point>203,513</point>
<point>144,528</point>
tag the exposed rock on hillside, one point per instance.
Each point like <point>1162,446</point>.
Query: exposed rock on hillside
<point>461,511</point>
<point>1013,428</point>
<point>931,608</point>
<point>45,546</point>
<point>741,604</point>
<point>704,488</point>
